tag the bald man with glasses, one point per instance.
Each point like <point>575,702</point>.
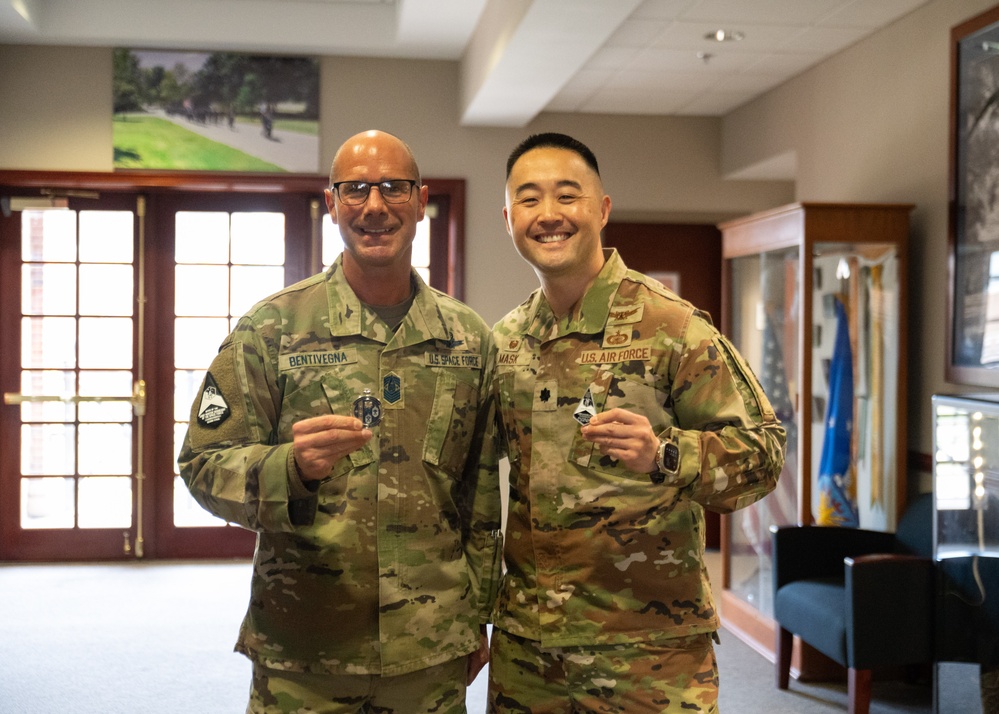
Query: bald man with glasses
<point>348,420</point>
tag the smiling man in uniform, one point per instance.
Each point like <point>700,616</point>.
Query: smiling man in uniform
<point>348,420</point>
<point>625,414</point>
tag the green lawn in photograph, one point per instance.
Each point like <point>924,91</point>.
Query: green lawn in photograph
<point>145,142</point>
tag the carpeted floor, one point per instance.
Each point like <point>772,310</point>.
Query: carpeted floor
<point>151,638</point>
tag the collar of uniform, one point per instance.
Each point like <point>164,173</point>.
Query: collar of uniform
<point>594,308</point>
<point>348,317</point>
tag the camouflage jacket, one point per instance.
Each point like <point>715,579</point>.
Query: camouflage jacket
<point>392,564</point>
<point>595,553</point>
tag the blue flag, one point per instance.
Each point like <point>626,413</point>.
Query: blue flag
<point>837,505</point>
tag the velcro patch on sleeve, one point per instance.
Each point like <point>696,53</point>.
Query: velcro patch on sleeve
<point>219,413</point>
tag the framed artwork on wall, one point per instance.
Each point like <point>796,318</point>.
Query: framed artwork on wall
<point>973,305</point>
<point>215,111</point>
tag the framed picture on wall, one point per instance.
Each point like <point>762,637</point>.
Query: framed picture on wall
<point>973,309</point>
<point>215,111</point>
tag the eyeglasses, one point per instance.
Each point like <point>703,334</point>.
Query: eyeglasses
<point>354,193</point>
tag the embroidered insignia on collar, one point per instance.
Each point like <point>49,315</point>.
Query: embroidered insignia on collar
<point>213,409</point>
<point>623,314</point>
<point>451,343</point>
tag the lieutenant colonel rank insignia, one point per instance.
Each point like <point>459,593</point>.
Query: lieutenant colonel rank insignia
<point>213,409</point>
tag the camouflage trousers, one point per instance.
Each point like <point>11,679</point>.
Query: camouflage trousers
<point>673,676</point>
<point>435,690</point>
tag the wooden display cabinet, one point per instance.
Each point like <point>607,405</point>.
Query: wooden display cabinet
<point>784,271</point>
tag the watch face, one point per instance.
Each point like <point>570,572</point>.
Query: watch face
<point>671,458</point>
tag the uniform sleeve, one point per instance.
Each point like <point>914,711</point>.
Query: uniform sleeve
<point>731,443</point>
<point>479,491</point>
<point>231,460</point>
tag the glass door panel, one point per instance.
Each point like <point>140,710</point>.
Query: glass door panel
<point>75,442</point>
<point>224,263</point>
<point>765,326</point>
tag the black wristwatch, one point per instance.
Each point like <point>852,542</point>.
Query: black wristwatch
<point>667,461</point>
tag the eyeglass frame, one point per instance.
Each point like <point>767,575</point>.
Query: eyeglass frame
<point>413,183</point>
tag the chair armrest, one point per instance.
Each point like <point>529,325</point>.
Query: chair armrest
<point>889,609</point>
<point>806,552</point>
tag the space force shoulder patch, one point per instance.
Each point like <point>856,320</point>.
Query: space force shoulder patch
<point>214,409</point>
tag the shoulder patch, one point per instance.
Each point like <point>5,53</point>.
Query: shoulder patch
<point>214,409</point>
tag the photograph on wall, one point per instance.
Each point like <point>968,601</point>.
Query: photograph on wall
<point>976,233</point>
<point>215,111</point>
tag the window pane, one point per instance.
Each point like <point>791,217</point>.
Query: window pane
<point>251,284</point>
<point>105,449</point>
<point>421,244</point>
<point>47,503</point>
<point>48,449</point>
<point>48,342</point>
<point>48,289</point>
<point>105,384</point>
<point>48,236</point>
<point>185,388</point>
<point>186,511</point>
<point>106,342</point>
<point>106,290</point>
<point>257,239</point>
<point>105,502</point>
<point>332,242</point>
<point>197,341</point>
<point>201,290</point>
<point>48,383</point>
<point>202,237</point>
<point>106,236</point>
<point>179,432</point>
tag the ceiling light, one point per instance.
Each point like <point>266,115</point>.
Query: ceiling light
<point>725,36</point>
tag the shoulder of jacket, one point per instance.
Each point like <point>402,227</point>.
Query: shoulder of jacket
<point>662,298</point>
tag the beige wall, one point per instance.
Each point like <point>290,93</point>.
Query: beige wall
<point>871,124</point>
<point>55,105</point>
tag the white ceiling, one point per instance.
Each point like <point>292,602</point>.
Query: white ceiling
<point>518,57</point>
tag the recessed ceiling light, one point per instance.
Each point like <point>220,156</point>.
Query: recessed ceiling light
<point>725,36</point>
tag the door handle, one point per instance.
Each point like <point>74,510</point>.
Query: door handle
<point>137,399</point>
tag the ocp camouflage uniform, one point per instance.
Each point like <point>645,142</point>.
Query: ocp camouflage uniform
<point>391,565</point>
<point>598,555</point>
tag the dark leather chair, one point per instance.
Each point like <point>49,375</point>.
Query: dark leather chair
<point>863,598</point>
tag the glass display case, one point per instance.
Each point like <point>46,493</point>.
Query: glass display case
<point>966,541</point>
<point>813,299</point>
<point>966,476</point>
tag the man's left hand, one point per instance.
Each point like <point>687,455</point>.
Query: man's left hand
<point>625,436</point>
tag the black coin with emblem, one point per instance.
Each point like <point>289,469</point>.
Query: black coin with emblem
<point>368,409</point>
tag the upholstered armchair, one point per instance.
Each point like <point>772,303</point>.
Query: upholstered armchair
<point>863,598</point>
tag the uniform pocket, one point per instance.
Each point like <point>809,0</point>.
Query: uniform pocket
<point>451,426</point>
<point>613,391</point>
<point>510,432</point>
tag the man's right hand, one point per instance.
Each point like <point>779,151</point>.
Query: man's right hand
<point>322,441</point>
